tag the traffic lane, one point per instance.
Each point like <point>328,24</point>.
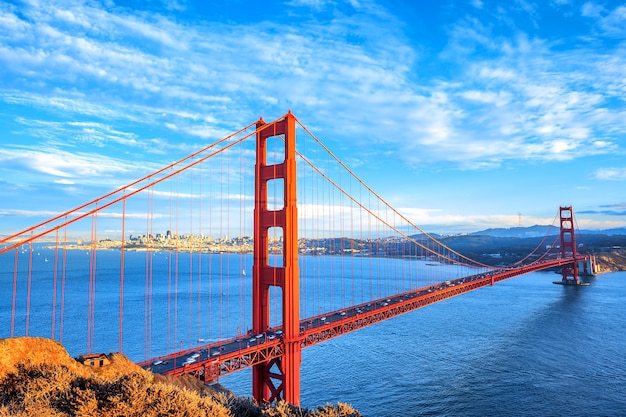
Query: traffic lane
<point>205,354</point>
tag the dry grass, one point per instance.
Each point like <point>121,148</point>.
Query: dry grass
<point>39,378</point>
<point>34,350</point>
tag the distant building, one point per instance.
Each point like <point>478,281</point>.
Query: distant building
<point>97,360</point>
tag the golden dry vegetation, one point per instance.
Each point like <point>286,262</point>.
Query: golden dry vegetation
<point>39,378</point>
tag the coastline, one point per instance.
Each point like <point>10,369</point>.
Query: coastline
<point>613,260</point>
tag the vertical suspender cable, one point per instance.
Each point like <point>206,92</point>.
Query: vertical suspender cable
<point>190,249</point>
<point>319,224</point>
<point>378,259</point>
<point>169,278</point>
<point>361,248</point>
<point>54,284</point>
<point>372,250</point>
<point>176,266</point>
<point>146,303</point>
<point>332,240</point>
<point>342,293</point>
<point>151,271</point>
<point>30,277</point>
<point>221,196</point>
<point>63,276</point>
<point>302,227</point>
<point>352,246</point>
<point>92,282</point>
<point>200,254</point>
<point>122,270</point>
<point>89,291</point>
<point>316,192</point>
<point>210,257</point>
<point>242,251</point>
<point>228,257</point>
<point>14,300</point>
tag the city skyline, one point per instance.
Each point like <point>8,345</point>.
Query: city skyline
<point>463,115</point>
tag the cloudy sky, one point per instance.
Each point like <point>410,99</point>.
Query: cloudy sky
<point>462,114</point>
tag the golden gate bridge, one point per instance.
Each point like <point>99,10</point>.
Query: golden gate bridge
<point>211,266</point>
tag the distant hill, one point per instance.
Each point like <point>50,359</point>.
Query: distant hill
<point>610,232</point>
<point>540,231</point>
<point>532,231</point>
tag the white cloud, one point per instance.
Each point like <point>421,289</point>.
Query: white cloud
<point>497,73</point>
<point>29,213</point>
<point>63,166</point>
<point>487,97</point>
<point>612,174</point>
<point>522,99</point>
<point>591,9</point>
<point>316,4</point>
<point>101,214</point>
<point>615,21</point>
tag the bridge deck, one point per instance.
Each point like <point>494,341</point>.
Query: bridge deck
<point>211,361</point>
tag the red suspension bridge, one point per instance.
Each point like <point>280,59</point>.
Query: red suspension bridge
<point>207,267</point>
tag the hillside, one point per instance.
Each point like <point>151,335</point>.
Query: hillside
<point>543,230</point>
<point>39,378</point>
<point>494,250</point>
<point>614,260</point>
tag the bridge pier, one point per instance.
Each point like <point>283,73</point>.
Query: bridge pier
<point>277,378</point>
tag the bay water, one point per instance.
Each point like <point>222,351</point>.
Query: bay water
<point>524,347</point>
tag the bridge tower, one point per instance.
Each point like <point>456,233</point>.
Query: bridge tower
<point>277,378</point>
<point>568,246</point>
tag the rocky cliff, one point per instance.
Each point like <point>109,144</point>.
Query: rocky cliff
<point>614,260</point>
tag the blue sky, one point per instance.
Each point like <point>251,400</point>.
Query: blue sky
<point>462,114</point>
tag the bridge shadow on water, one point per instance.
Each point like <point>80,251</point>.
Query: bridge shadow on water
<point>545,357</point>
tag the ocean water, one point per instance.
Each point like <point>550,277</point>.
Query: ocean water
<point>524,347</point>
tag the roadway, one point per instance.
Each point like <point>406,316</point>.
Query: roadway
<point>211,361</point>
